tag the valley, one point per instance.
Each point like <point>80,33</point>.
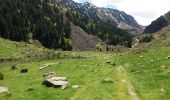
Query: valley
<point>75,50</point>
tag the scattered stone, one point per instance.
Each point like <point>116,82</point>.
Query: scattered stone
<point>75,86</point>
<point>48,65</point>
<point>56,82</point>
<point>1,76</point>
<point>113,64</point>
<point>108,62</point>
<point>163,67</point>
<point>50,74</point>
<point>162,90</point>
<point>14,67</point>
<point>44,67</point>
<point>30,89</point>
<point>3,89</point>
<point>141,56</point>
<point>108,80</point>
<point>23,70</point>
<point>168,57</point>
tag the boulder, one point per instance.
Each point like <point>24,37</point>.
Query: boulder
<point>44,67</point>
<point>108,80</point>
<point>56,82</point>
<point>23,70</point>
<point>3,89</point>
<point>14,67</point>
<point>50,74</point>
<point>75,86</point>
<point>113,64</point>
<point>108,62</point>
<point>1,76</point>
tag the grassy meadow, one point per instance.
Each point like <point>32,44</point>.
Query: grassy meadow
<point>135,76</point>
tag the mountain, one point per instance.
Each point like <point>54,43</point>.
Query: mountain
<point>110,16</point>
<point>158,24</point>
<point>48,22</point>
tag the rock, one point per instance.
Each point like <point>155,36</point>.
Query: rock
<point>56,82</point>
<point>3,89</point>
<point>30,89</point>
<point>1,76</point>
<point>168,57</point>
<point>162,90</point>
<point>14,67</point>
<point>24,70</point>
<point>108,80</point>
<point>49,65</point>
<point>44,67</point>
<point>113,64</point>
<point>108,62</point>
<point>141,56</point>
<point>75,86</point>
<point>50,74</point>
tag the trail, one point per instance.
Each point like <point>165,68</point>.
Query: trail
<point>124,85</point>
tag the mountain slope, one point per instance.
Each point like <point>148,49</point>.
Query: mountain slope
<point>110,16</point>
<point>28,20</point>
<point>49,22</point>
<point>158,24</point>
<point>82,40</point>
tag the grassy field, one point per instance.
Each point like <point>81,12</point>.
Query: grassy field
<point>142,76</point>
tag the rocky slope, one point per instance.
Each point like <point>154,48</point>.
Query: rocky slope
<point>107,15</point>
<point>82,40</point>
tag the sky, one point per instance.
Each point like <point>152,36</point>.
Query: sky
<point>144,11</point>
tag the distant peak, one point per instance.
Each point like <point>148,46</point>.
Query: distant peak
<point>90,4</point>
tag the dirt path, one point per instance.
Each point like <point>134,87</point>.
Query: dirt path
<point>124,85</point>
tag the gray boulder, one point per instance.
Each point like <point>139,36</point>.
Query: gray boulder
<point>14,67</point>
<point>75,86</point>
<point>23,70</point>
<point>3,89</point>
<point>56,82</point>
<point>107,80</point>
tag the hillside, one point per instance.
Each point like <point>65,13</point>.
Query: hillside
<point>110,16</point>
<point>49,22</point>
<point>11,51</point>
<point>158,24</point>
<point>82,40</point>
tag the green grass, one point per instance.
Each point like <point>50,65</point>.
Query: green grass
<point>84,72</point>
<point>149,73</point>
<point>141,76</point>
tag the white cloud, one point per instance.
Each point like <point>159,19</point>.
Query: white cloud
<point>77,1</point>
<point>144,11</point>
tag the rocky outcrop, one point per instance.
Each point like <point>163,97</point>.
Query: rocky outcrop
<point>110,16</point>
<point>82,40</point>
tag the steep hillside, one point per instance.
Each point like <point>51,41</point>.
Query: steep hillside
<point>49,22</point>
<point>110,16</point>
<point>158,24</point>
<point>82,40</point>
<point>28,20</point>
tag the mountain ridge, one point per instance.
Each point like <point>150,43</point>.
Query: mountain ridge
<point>111,16</point>
<point>158,24</point>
